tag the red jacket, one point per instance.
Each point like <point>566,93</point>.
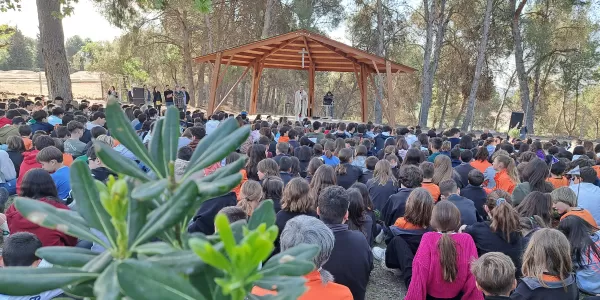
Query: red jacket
<point>48,237</point>
<point>29,163</point>
<point>5,121</point>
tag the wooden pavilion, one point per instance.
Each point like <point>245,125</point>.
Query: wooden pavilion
<point>301,50</point>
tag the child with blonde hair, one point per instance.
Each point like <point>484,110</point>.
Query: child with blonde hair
<point>547,268</point>
<point>250,196</point>
<point>494,275</point>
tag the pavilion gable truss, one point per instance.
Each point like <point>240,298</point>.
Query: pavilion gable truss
<point>284,52</point>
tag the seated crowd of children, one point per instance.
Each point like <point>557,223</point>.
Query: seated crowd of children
<point>461,216</point>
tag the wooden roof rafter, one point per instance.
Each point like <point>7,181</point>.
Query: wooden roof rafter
<point>324,54</point>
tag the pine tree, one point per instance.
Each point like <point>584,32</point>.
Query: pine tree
<point>20,56</point>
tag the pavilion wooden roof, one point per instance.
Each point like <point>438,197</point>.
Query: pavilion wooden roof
<point>282,52</point>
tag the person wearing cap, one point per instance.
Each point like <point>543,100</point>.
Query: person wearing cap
<point>244,115</point>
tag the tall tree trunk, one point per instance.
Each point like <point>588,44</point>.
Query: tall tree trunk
<point>200,98</point>
<point>510,82</point>
<point>468,122</point>
<point>53,50</point>
<point>443,116</point>
<point>519,63</point>
<point>430,63</point>
<point>462,109</point>
<point>426,93</point>
<point>209,35</point>
<point>560,112</point>
<point>273,101</point>
<point>188,63</point>
<point>244,95</point>
<point>570,129</point>
<point>267,19</point>
<point>536,95</point>
<point>381,52</point>
<point>234,99</point>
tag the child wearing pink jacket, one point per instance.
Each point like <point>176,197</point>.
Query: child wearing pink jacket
<point>441,267</point>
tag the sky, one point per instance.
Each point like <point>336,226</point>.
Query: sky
<point>86,21</point>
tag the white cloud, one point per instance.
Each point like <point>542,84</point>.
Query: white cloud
<point>85,21</point>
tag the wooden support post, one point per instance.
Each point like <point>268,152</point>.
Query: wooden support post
<point>311,89</point>
<point>233,87</point>
<point>214,84</point>
<point>363,92</point>
<point>391,107</point>
<point>225,70</point>
<point>256,73</point>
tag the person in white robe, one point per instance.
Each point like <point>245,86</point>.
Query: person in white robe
<point>300,104</point>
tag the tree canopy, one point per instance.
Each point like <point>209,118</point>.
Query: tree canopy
<point>540,57</point>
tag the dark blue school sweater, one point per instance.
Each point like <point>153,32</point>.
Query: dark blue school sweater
<point>351,260</point>
<point>204,220</point>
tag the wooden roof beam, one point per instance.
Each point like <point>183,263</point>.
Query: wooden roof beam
<point>255,45</point>
<point>274,50</point>
<point>340,53</point>
<point>312,62</point>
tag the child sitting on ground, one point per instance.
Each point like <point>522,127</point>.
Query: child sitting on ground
<point>564,201</point>
<point>441,264</point>
<point>494,274</point>
<point>25,133</point>
<point>428,170</point>
<point>233,213</point>
<point>250,196</point>
<point>51,159</point>
<point>73,145</point>
<point>547,268</point>
<point>283,135</point>
<point>556,174</point>
<point>184,154</point>
<point>19,251</point>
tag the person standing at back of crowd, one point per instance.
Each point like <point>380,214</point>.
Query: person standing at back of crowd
<point>157,99</point>
<point>186,98</point>
<point>168,96</point>
<point>178,98</point>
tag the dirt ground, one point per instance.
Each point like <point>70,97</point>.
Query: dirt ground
<point>85,85</point>
<point>384,284</point>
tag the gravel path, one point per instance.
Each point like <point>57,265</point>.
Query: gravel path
<point>384,284</point>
